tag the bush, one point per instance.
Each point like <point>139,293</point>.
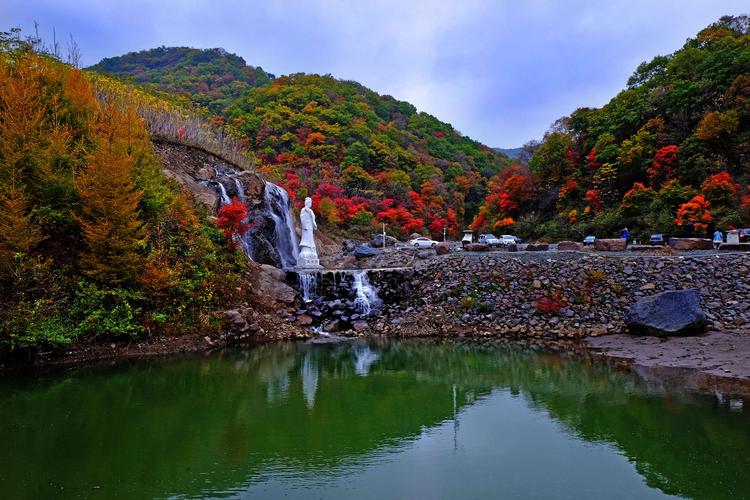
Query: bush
<point>109,313</point>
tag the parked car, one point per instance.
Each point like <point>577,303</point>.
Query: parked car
<point>658,239</point>
<point>468,238</point>
<point>507,239</point>
<point>489,239</point>
<point>423,242</point>
<point>744,235</point>
<point>589,240</point>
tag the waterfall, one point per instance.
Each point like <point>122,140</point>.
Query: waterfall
<point>240,189</point>
<point>307,283</point>
<point>277,223</point>
<point>277,202</point>
<point>223,191</point>
<point>366,296</point>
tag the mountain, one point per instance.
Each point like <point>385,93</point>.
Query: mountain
<point>212,78</point>
<point>510,152</point>
<point>364,158</point>
<point>671,150</point>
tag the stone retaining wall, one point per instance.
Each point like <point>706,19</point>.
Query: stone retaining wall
<point>568,295</point>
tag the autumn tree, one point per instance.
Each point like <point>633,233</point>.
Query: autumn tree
<point>696,211</point>
<point>664,165</point>
<point>232,219</point>
<point>109,217</point>
<point>19,233</point>
<point>720,189</point>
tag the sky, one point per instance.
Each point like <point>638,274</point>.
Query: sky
<point>500,71</point>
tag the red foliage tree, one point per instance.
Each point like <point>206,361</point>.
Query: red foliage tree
<point>593,164</point>
<point>663,167</point>
<point>593,199</point>
<point>232,219</point>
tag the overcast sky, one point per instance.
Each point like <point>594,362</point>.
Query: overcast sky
<point>500,71</point>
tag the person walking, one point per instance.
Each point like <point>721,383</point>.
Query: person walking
<point>625,236</point>
<point>718,239</point>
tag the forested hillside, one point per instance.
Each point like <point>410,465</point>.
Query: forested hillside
<point>363,158</point>
<point>94,241</point>
<point>212,78</point>
<point>670,150</point>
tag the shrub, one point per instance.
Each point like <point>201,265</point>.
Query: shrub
<point>551,304</point>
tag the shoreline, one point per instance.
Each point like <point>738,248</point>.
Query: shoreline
<point>714,362</point>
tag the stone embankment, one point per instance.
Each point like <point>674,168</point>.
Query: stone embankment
<point>557,295</point>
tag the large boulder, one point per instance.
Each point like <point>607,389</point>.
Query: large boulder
<point>610,245</point>
<point>377,241</point>
<point>675,312</point>
<point>364,251</point>
<point>477,247</point>
<point>272,284</point>
<point>348,246</point>
<point>443,249</point>
<point>569,245</point>
<point>690,244</point>
<point>537,247</point>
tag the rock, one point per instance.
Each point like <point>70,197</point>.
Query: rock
<point>735,247</point>
<point>690,244</point>
<point>537,247</point>
<point>569,245</point>
<point>647,287</point>
<point>675,312</point>
<point>477,247</point>
<point>332,326</point>
<point>442,249</point>
<point>237,322</point>
<point>425,254</point>
<point>304,320</point>
<point>271,284</point>
<point>536,284</point>
<point>348,246</point>
<point>610,245</point>
<point>377,241</point>
<point>363,251</point>
<point>359,325</point>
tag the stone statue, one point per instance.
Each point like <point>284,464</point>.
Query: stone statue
<point>308,255</point>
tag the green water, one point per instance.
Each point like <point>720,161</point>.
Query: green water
<point>382,420</point>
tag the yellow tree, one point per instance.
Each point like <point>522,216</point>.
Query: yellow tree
<point>18,231</point>
<point>112,230</point>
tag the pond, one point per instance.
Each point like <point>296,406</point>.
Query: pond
<point>406,419</point>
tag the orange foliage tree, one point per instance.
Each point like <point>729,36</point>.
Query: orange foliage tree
<point>697,211</point>
<point>720,189</point>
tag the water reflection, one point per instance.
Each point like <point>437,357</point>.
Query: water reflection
<point>387,419</point>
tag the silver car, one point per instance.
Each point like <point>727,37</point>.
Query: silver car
<point>423,242</point>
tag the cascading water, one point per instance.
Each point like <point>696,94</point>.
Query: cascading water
<point>366,296</point>
<point>307,283</point>
<point>277,201</point>
<point>276,228</point>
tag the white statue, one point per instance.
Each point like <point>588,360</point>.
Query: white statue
<point>308,255</point>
